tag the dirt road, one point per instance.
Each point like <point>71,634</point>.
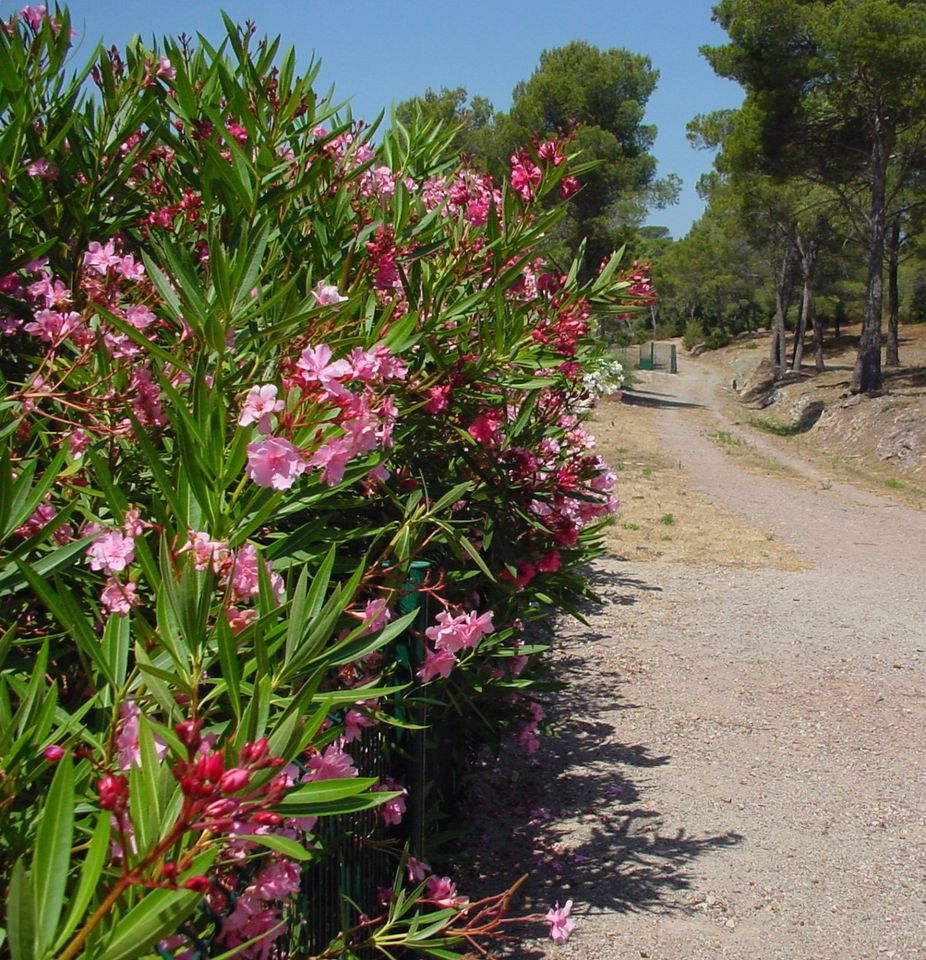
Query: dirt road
<point>740,771</point>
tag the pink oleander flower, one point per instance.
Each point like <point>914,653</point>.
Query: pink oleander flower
<point>258,405</point>
<point>112,552</point>
<point>43,515</point>
<point>277,881</point>
<point>416,870</point>
<point>568,186</point>
<point>118,597</point>
<point>438,399</point>
<point>53,753</point>
<point>165,69</point>
<point>100,257</point>
<point>437,663</point>
<point>139,317</point>
<point>327,294</point>
<point>525,175</point>
<point>240,619</point>
<point>374,616</point>
<point>354,722</point>
<point>333,764</point>
<point>485,428</point>
<point>314,366</point>
<point>41,169</point>
<point>332,458</point>
<point>393,810</point>
<point>245,578</point>
<point>442,891</point>
<point>275,463</point>
<point>206,551</point>
<point>462,632</point>
<point>54,325</point>
<point>560,924</point>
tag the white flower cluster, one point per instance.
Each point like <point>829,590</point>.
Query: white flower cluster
<point>604,377</point>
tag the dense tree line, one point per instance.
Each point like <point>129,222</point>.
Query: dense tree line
<point>815,207</point>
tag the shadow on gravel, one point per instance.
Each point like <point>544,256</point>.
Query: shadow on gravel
<point>614,589</point>
<point>574,816</point>
<point>647,398</point>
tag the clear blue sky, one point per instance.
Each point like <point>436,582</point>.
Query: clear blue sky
<point>375,52</point>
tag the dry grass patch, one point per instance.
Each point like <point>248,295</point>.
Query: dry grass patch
<point>660,517</point>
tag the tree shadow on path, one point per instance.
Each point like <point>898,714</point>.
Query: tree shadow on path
<point>649,398</point>
<point>577,816</point>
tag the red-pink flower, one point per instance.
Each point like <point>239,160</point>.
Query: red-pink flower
<point>274,463</point>
<point>568,186</point>
<point>485,428</point>
<point>392,810</point>
<point>53,753</point>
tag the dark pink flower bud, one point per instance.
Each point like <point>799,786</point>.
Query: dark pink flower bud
<point>53,753</point>
<point>210,767</point>
<point>189,733</point>
<point>200,884</point>
<point>219,809</point>
<point>266,818</point>
<point>234,780</point>
<point>113,791</point>
<point>254,752</point>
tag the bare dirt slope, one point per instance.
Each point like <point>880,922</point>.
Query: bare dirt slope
<point>740,771</point>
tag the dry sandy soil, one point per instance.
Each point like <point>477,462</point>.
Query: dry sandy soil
<point>739,767</point>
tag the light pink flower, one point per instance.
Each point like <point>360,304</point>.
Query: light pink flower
<point>206,551</point>
<point>165,69</point>
<point>274,463</point>
<point>332,459</point>
<point>112,552</point>
<point>139,317</point>
<point>462,632</point>
<point>560,924</point>
<point>333,764</point>
<point>100,257</point>
<point>437,663</point>
<point>118,597</point>
<point>354,722</point>
<point>278,880</point>
<point>326,294</point>
<point>314,366</point>
<point>258,405</point>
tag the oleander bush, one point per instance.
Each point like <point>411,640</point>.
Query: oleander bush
<point>268,375</point>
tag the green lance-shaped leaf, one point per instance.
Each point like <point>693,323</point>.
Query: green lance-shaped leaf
<point>20,915</point>
<point>90,874</point>
<point>51,859</point>
<point>158,915</point>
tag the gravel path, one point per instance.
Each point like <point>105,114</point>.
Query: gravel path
<point>740,771</point>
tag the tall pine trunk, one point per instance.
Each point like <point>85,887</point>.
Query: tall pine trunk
<point>892,348</point>
<point>784,284</point>
<point>866,376</point>
<point>809,250</point>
